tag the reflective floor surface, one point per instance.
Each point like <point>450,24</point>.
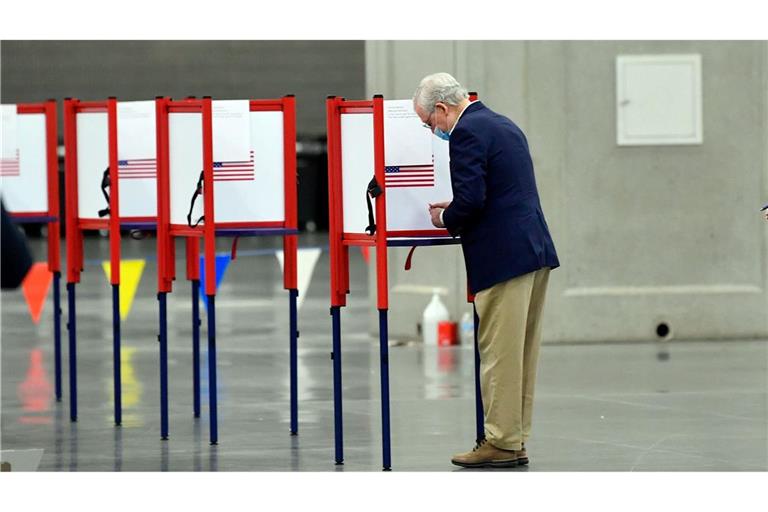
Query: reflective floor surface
<point>681,406</point>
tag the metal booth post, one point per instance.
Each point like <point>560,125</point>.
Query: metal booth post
<point>165,252</point>
<point>338,292</point>
<point>339,245</point>
<point>73,242</point>
<point>75,228</point>
<point>114,252</point>
<point>382,287</point>
<point>290,247</point>
<point>209,247</point>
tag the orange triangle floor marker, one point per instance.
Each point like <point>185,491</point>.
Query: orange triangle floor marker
<point>366,251</point>
<point>35,287</point>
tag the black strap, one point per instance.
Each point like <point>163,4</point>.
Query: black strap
<point>372,191</point>
<point>104,186</point>
<point>198,192</point>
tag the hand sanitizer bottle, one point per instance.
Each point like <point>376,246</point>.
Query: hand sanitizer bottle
<point>467,328</point>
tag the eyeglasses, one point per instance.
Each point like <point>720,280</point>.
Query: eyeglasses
<point>428,124</point>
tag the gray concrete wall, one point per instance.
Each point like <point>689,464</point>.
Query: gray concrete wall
<point>645,234</point>
<point>138,70</point>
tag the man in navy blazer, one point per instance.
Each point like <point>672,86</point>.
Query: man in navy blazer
<point>508,253</point>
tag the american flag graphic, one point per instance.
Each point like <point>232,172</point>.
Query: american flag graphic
<point>137,168</point>
<point>10,166</point>
<point>409,175</point>
<point>242,170</point>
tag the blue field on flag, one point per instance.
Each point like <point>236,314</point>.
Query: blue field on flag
<point>409,175</point>
<point>242,170</point>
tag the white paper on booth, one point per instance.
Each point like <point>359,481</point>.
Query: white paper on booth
<point>406,141</point>
<point>136,130</point>
<point>137,158</point>
<point>231,132</point>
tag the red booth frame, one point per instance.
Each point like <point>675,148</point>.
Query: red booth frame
<point>339,244</point>
<point>76,226</point>
<point>210,229</point>
<point>51,217</point>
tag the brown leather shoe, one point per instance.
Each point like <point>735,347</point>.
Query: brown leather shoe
<point>485,455</point>
<point>522,456</point>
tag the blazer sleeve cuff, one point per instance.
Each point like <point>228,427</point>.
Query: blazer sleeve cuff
<point>445,218</point>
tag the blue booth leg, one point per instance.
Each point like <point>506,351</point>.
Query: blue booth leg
<point>72,328</point>
<point>57,332</point>
<point>116,353</point>
<point>163,339</point>
<point>294,335</point>
<point>196,346</point>
<point>384,359</point>
<point>212,389</point>
<point>479,416</point>
<point>336,356</point>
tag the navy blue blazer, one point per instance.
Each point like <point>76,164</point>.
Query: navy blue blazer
<point>495,207</point>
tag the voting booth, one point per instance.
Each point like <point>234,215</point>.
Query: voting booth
<point>225,169</point>
<point>29,185</point>
<point>384,168</point>
<point>111,178</point>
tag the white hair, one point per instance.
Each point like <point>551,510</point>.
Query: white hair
<point>439,87</point>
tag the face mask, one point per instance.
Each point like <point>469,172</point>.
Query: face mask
<point>443,135</point>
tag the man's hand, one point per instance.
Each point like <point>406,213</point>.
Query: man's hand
<point>435,214</point>
<point>442,205</point>
<point>435,209</point>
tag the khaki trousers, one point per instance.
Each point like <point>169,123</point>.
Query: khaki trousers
<point>509,336</point>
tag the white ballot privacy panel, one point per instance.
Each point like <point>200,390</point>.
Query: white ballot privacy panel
<point>137,158</point>
<point>185,156</point>
<point>248,164</point>
<point>417,170</point>
<point>253,190</point>
<point>92,161</point>
<point>24,167</point>
<point>356,169</point>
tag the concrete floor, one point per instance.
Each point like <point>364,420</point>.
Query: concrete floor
<point>680,406</point>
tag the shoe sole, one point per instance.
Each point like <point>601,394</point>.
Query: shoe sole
<point>492,464</point>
